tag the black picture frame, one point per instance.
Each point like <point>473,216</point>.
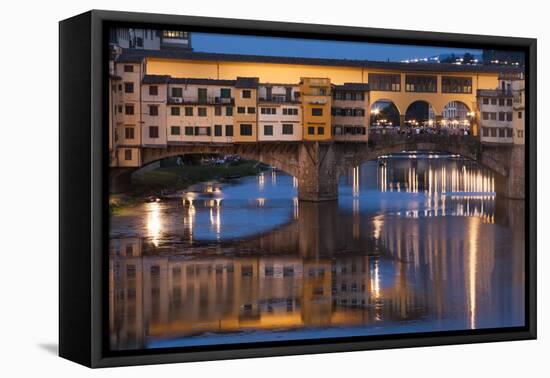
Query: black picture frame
<point>84,189</point>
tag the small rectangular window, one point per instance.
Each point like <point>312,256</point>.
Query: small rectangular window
<point>128,68</point>
<point>188,111</point>
<point>225,93</point>
<point>128,87</point>
<point>175,130</point>
<point>177,92</point>
<point>129,109</point>
<point>247,93</point>
<point>175,110</point>
<point>189,131</point>
<point>153,90</point>
<point>321,130</point>
<point>218,111</point>
<point>129,133</point>
<point>241,109</point>
<point>218,130</point>
<point>520,115</point>
<point>229,111</point>
<point>311,130</point>
<point>268,129</point>
<point>246,129</point>
<point>153,131</point>
<point>288,129</point>
<point>317,112</point>
<point>500,102</point>
<point>251,110</point>
<point>127,154</point>
<point>229,130</point>
<point>153,110</point>
<point>202,112</point>
<point>485,101</point>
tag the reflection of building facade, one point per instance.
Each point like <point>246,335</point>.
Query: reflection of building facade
<point>320,270</point>
<point>155,297</point>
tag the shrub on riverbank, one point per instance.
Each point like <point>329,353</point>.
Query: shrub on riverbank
<point>180,177</point>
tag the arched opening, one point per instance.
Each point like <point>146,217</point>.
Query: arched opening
<point>384,117</point>
<point>457,118</point>
<point>177,172</point>
<point>420,115</point>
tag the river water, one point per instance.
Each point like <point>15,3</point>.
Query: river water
<point>415,243</point>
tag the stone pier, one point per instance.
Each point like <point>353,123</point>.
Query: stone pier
<point>318,176</point>
<point>512,185</point>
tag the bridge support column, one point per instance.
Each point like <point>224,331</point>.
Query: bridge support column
<point>317,176</point>
<point>402,121</point>
<point>513,185</point>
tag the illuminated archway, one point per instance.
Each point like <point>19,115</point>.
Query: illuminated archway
<point>420,113</point>
<point>384,114</point>
<point>457,117</point>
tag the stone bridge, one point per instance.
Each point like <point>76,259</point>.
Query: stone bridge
<point>317,165</point>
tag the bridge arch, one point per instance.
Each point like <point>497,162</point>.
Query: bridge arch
<point>282,160</point>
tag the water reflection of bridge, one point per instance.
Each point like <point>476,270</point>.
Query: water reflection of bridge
<point>320,270</point>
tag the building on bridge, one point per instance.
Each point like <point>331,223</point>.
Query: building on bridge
<point>162,97</point>
<point>350,117</point>
<point>499,117</point>
<point>518,108</point>
<point>149,39</point>
<point>280,112</point>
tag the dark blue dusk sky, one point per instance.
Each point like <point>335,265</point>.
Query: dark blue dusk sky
<point>253,45</point>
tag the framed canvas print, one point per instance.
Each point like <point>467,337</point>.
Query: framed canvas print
<point>234,188</point>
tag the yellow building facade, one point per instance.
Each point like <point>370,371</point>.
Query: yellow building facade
<point>290,73</point>
<point>316,108</point>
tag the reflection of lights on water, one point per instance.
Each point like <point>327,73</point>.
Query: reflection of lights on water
<point>355,186</point>
<point>472,268</point>
<point>154,224</point>
<point>215,218</point>
<point>375,287</point>
<point>189,218</point>
<point>377,222</point>
<point>261,202</point>
<point>412,180</point>
<point>296,207</point>
<point>273,177</point>
<point>294,182</point>
<point>382,177</point>
<point>261,181</point>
